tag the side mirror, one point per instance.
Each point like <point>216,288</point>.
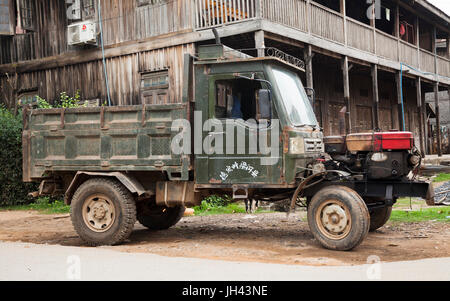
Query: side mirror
<point>264,104</point>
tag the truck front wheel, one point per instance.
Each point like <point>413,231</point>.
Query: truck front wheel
<point>338,218</point>
<point>103,212</point>
<point>159,218</point>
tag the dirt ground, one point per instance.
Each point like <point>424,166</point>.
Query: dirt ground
<point>270,238</point>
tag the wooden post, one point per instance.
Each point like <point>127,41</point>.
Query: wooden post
<point>420,108</point>
<point>259,43</point>
<point>447,45</point>
<point>376,99</point>
<point>342,7</point>
<point>401,108</point>
<point>345,71</point>
<point>308,55</point>
<point>438,119</point>
<point>434,46</point>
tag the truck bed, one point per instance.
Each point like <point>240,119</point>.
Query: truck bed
<point>128,138</point>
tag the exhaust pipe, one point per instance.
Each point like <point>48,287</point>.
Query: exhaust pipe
<point>342,127</point>
<point>216,35</point>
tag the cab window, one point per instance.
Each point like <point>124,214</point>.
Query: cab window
<point>236,99</point>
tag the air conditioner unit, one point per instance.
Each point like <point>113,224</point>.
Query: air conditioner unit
<point>82,33</point>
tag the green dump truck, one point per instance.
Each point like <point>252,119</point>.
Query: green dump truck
<point>244,127</point>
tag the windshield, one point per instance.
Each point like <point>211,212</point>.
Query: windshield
<point>294,97</point>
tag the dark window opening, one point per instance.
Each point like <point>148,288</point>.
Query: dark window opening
<point>333,4</point>
<point>407,29</point>
<point>358,10</point>
<point>425,35</point>
<point>386,20</point>
<point>236,99</point>
<point>442,40</point>
<point>364,92</point>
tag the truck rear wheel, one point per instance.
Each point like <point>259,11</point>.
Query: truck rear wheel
<point>379,217</point>
<point>159,218</point>
<point>338,218</point>
<point>103,212</point>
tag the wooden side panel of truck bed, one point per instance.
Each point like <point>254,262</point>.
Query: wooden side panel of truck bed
<point>131,138</point>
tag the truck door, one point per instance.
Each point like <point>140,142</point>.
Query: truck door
<point>234,123</point>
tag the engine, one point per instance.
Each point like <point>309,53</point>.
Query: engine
<point>382,155</point>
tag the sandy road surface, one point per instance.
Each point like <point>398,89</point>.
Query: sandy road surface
<point>266,238</point>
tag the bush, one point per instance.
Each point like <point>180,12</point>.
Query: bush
<point>12,190</point>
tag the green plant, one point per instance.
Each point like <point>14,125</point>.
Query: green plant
<point>443,177</point>
<point>42,103</point>
<point>215,204</point>
<point>43,205</point>
<point>65,101</point>
<point>12,189</point>
<point>440,214</point>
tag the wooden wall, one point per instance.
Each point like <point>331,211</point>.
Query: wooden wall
<point>123,22</point>
<point>328,85</point>
<point>124,74</point>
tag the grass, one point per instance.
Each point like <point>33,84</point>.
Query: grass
<point>443,177</point>
<point>42,205</point>
<point>228,209</point>
<point>441,214</point>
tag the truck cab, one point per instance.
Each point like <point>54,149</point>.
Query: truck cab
<point>261,117</point>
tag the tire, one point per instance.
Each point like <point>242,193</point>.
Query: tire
<point>379,217</point>
<point>159,218</point>
<point>103,212</point>
<point>348,218</point>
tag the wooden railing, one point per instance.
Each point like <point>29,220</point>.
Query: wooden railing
<point>211,13</point>
<point>426,61</point>
<point>326,23</point>
<point>360,36</point>
<point>318,20</point>
<point>443,66</point>
<point>408,54</point>
<point>292,13</point>
<point>387,46</point>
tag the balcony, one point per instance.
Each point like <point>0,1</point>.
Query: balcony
<point>313,20</point>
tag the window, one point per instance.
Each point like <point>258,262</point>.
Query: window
<point>236,99</point>
<point>6,26</point>
<point>294,98</point>
<point>82,10</point>
<point>155,87</point>
<point>25,16</point>
<point>28,97</point>
<point>150,2</point>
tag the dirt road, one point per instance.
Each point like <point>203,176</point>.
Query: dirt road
<point>267,238</point>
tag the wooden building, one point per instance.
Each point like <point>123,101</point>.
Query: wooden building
<point>377,59</point>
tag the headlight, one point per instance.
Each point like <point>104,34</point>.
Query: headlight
<point>296,146</point>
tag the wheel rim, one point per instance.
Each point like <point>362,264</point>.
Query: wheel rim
<point>99,213</point>
<point>333,219</point>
